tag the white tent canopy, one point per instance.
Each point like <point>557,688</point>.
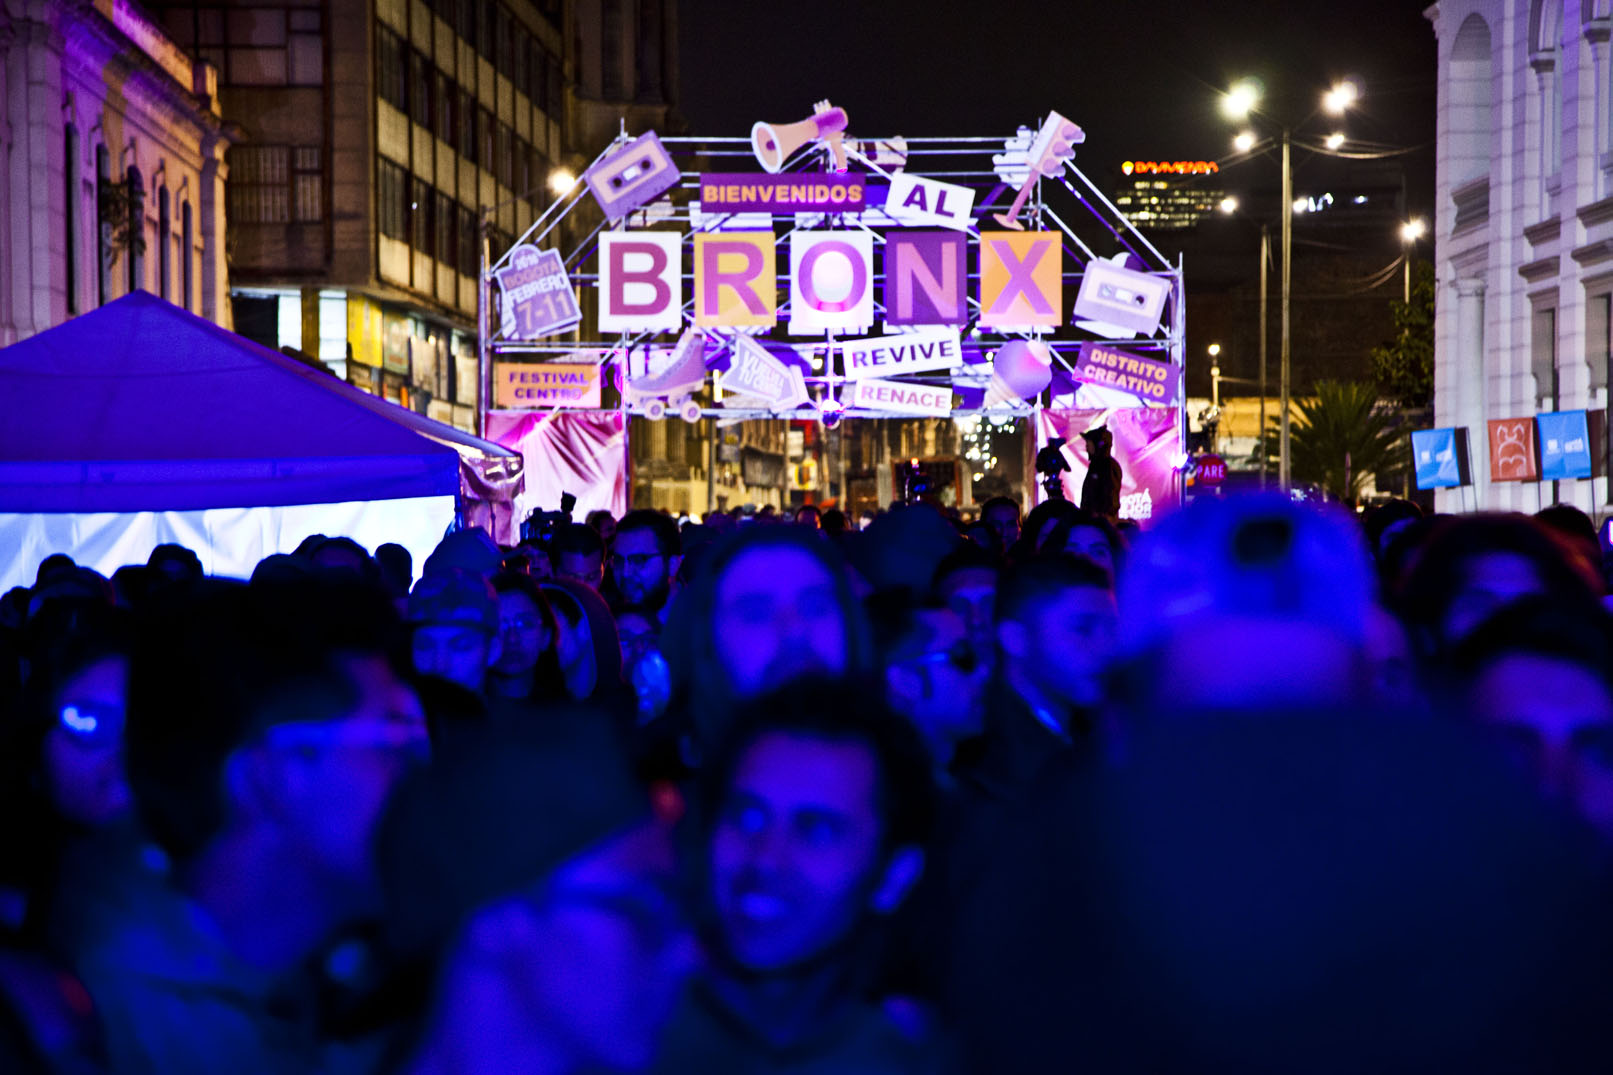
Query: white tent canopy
<point>140,423</point>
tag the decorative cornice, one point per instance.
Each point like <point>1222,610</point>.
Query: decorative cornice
<point>1596,213</point>
<point>1472,202</point>
<point>1468,286</point>
<point>1538,270</point>
<point>1593,253</point>
<point>1546,231</point>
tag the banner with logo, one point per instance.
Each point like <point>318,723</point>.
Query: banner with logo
<point>1147,444</point>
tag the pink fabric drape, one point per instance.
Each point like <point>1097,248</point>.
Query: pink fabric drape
<point>1148,441</point>
<point>579,452</point>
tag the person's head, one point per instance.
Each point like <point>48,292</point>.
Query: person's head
<point>807,515</point>
<point>1475,565</point>
<point>1001,514</point>
<point>815,811</point>
<point>603,522</point>
<point>175,562</point>
<point>933,674</point>
<point>397,568</point>
<point>57,563</point>
<point>1089,536</point>
<point>470,550</point>
<point>455,616</point>
<point>585,639</point>
<point>1039,524</point>
<point>343,554</point>
<point>771,605</point>
<point>1575,527</point>
<point>1282,592</point>
<point>526,624</point>
<point>986,537</point>
<point>642,557</point>
<point>833,521</point>
<point>76,707</point>
<point>966,582</point>
<point>268,717</point>
<point>578,554</point>
<point>1542,676</point>
<point>1387,520</point>
<point>1056,623</point>
<point>566,920</point>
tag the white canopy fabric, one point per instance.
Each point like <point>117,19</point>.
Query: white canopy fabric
<point>139,423</point>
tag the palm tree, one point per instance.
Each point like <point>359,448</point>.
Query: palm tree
<point>1339,439</point>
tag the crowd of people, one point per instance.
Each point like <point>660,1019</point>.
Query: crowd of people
<point>1265,787</point>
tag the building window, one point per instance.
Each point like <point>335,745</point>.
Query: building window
<point>504,150</point>
<point>505,42</point>
<point>470,247</point>
<point>485,28</point>
<point>612,81</point>
<point>447,105</point>
<point>443,239</point>
<point>1543,357</point>
<point>391,73</point>
<point>394,220</point>
<point>276,185</point>
<point>468,115</point>
<point>70,169</point>
<point>165,243</point>
<point>465,23</point>
<point>188,260</point>
<point>419,214</point>
<point>137,226</point>
<point>488,131</point>
<point>422,84</point>
<point>521,43</point>
<point>103,239</point>
<point>307,185</point>
<point>537,68</point>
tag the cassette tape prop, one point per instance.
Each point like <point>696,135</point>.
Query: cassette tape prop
<point>1117,302</point>
<point>634,175</point>
<point>673,386</point>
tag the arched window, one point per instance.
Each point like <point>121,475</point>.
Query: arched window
<point>103,238</point>
<point>165,244</point>
<point>70,212</point>
<point>135,182</point>
<point>1471,124</point>
<point>187,264</point>
<point>1545,57</point>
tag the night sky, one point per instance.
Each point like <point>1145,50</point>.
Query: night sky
<point>1143,80</point>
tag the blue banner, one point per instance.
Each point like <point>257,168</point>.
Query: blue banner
<point>1565,445</point>
<point>1435,456</point>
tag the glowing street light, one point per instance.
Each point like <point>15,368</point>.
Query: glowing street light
<point>561,181</point>
<point>1410,232</point>
<point>1214,349</point>
<point>1241,99</point>
<point>1238,103</point>
<point>1244,142</point>
<point>1229,205</point>
<point>1340,97</point>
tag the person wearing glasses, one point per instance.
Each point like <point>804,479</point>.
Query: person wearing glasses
<point>643,560</point>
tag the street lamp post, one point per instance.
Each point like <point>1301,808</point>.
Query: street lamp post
<point>1410,232</point>
<point>1284,474</point>
<point>1240,103</point>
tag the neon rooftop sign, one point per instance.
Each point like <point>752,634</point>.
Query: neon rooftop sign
<point>1170,167</point>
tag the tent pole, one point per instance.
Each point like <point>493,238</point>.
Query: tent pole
<point>484,370</point>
